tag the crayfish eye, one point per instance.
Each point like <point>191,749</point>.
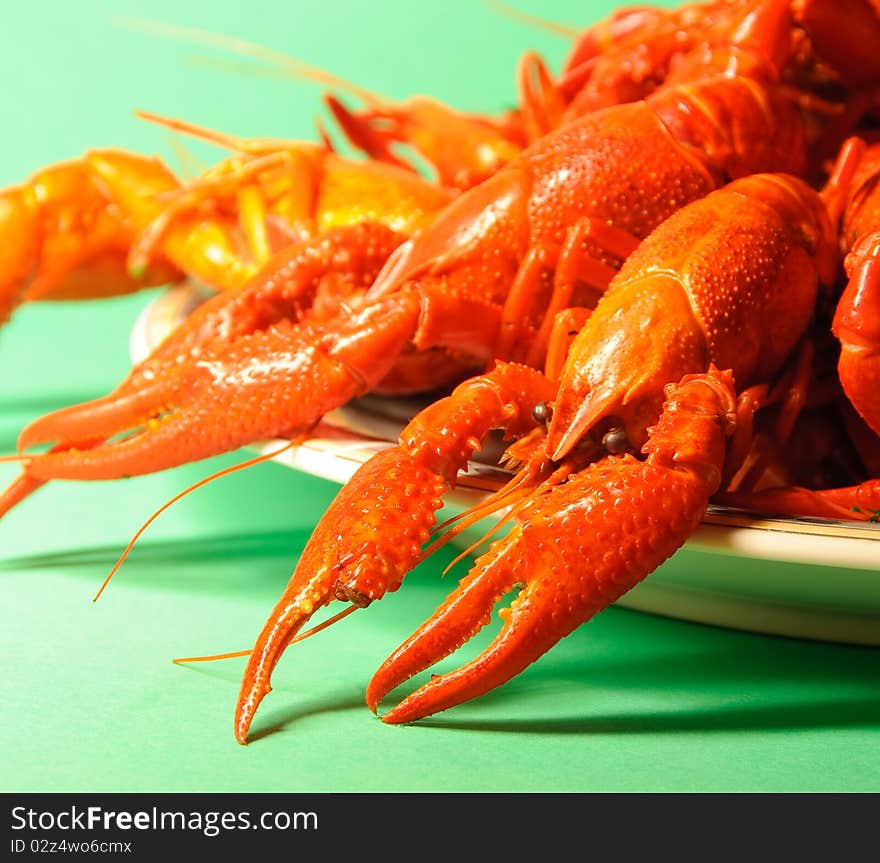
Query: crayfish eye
<point>542,412</point>
<point>615,441</point>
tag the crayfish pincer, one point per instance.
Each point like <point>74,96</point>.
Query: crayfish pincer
<point>577,547</point>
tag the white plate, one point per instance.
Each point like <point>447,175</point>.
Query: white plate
<point>808,578</point>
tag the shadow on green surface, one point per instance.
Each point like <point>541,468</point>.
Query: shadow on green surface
<point>850,713</point>
<point>749,697</point>
<point>278,720</point>
<point>175,564</point>
<point>745,675</point>
<point>701,679</point>
<point>149,552</point>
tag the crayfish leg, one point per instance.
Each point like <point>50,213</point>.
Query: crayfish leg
<point>851,503</point>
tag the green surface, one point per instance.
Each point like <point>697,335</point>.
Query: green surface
<point>92,700</point>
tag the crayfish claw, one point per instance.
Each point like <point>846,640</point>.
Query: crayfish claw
<point>376,529</point>
<point>346,558</point>
<point>527,633</point>
<point>579,546</point>
<point>289,616</point>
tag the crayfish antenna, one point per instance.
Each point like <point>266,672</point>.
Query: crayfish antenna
<point>233,143</point>
<point>522,482</point>
<point>536,22</point>
<point>266,456</point>
<point>189,164</point>
<point>518,501</point>
<point>277,59</point>
<point>537,476</point>
<point>235,654</point>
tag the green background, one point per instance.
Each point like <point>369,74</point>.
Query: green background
<point>91,698</point>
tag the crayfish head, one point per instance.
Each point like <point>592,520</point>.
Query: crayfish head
<point>641,336</point>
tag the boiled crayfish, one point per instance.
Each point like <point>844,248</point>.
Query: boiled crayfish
<point>482,282</point>
<point>112,222</point>
<point>648,233</point>
<point>589,526</point>
<point>856,323</point>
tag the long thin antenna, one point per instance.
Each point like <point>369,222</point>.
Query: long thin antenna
<point>190,166</point>
<point>301,637</point>
<point>251,49</point>
<point>212,658</point>
<point>19,457</point>
<point>534,21</point>
<point>249,463</point>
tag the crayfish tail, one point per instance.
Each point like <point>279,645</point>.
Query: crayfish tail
<point>765,31</point>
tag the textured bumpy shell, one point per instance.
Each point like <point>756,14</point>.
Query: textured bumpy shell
<point>731,279</point>
<point>576,547</point>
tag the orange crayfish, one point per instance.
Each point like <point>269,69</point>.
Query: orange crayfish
<point>113,222</point>
<point>482,282</point>
<point>664,260</point>
<point>856,324</point>
<point>729,281</point>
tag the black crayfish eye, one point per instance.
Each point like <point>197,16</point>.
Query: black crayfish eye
<point>615,440</point>
<point>542,412</point>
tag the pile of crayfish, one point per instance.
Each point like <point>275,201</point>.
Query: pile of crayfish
<point>658,277</point>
